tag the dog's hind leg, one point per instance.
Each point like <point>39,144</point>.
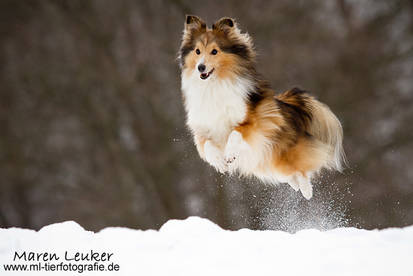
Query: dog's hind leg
<point>305,185</point>
<point>293,182</point>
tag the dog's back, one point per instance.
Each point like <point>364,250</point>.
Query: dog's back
<point>312,117</point>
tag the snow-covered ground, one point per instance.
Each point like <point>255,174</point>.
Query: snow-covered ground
<point>196,246</point>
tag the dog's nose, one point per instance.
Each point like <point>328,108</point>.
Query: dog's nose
<point>201,68</point>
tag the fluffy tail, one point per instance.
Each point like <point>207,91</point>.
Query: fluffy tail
<point>327,128</point>
<point>323,124</point>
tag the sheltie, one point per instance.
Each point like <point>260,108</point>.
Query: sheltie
<point>237,121</point>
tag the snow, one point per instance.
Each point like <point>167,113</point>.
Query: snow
<point>196,246</point>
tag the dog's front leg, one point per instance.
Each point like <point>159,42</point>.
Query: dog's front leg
<point>236,151</point>
<point>215,156</point>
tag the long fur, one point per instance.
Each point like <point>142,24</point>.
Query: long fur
<point>238,122</point>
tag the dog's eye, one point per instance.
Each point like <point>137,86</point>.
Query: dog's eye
<point>197,51</point>
<point>214,52</point>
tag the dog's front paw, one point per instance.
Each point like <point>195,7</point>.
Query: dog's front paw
<point>234,147</point>
<point>214,156</point>
<point>230,158</point>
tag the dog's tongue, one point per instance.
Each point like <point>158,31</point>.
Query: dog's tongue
<point>204,75</point>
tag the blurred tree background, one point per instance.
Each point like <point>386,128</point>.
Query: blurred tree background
<point>92,122</point>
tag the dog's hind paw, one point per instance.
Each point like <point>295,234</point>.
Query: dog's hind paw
<point>293,182</point>
<point>299,182</point>
<point>306,188</point>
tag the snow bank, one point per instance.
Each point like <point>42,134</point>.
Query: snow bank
<point>196,246</point>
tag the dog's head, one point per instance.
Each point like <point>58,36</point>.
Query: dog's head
<point>217,53</point>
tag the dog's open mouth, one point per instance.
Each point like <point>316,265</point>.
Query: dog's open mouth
<point>204,76</point>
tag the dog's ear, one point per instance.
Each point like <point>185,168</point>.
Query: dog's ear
<point>193,22</point>
<point>224,24</point>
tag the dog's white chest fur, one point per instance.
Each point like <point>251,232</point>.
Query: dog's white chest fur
<point>214,107</point>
